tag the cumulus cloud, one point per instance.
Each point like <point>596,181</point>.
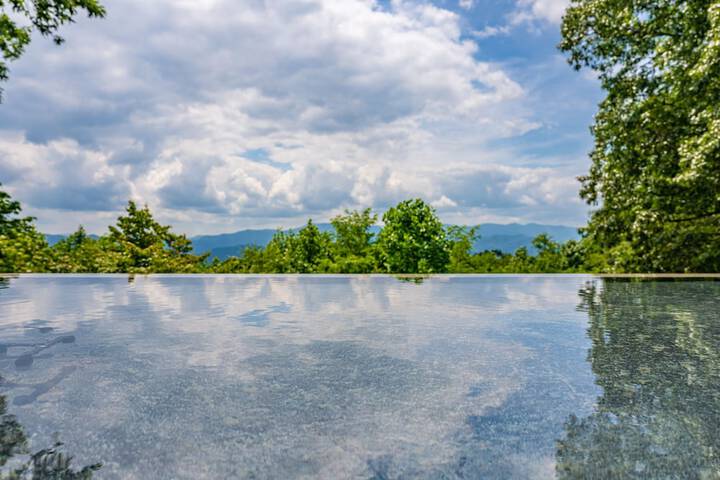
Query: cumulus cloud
<point>61,175</point>
<point>350,102</point>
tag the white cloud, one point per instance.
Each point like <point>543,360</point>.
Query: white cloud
<point>491,31</point>
<point>466,4</point>
<point>62,175</point>
<point>353,103</point>
<point>444,202</point>
<point>550,11</point>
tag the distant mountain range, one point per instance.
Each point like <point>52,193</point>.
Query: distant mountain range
<point>493,236</point>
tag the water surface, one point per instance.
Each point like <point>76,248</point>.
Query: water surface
<point>367,377</point>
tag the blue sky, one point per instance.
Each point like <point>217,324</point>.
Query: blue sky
<point>225,114</point>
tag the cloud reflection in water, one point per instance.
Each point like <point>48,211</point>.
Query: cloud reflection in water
<point>304,377</point>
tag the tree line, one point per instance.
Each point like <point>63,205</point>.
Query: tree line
<point>412,240</point>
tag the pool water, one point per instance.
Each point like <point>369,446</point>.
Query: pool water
<point>367,377</point>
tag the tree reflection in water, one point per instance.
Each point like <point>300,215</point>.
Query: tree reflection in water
<point>46,464</point>
<point>656,354</point>
<point>16,461</point>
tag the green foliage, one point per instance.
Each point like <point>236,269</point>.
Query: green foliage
<point>549,256</point>
<point>462,240</point>
<point>10,209</point>
<point>24,252</point>
<point>353,249</point>
<point>413,239</point>
<point>45,16</point>
<point>137,244</point>
<point>352,232</point>
<point>141,245</point>
<point>81,253</point>
<point>254,259</point>
<point>308,249</point>
<point>22,247</point>
<point>655,172</point>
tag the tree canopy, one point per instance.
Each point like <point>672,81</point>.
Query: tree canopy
<point>22,247</point>
<point>141,244</point>
<point>655,174</point>
<point>413,239</point>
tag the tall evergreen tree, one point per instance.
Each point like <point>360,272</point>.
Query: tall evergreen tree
<point>147,246</point>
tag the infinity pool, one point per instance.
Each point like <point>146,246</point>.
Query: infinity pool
<point>283,377</point>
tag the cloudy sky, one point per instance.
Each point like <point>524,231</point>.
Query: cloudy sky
<point>229,114</point>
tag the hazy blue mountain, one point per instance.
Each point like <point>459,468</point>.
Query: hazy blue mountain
<point>559,233</point>
<point>211,243</point>
<point>53,238</point>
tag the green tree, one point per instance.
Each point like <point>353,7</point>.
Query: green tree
<point>550,257</point>
<point>519,262</point>
<point>413,239</point>
<point>309,249</point>
<point>10,219</point>
<point>352,231</point>
<point>353,247</point>
<point>306,251</point>
<point>462,241</point>
<point>252,259</point>
<point>18,19</point>
<point>275,257</point>
<point>144,245</point>
<point>22,247</point>
<point>655,174</point>
<point>74,253</point>
<point>491,261</point>
<point>81,253</point>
